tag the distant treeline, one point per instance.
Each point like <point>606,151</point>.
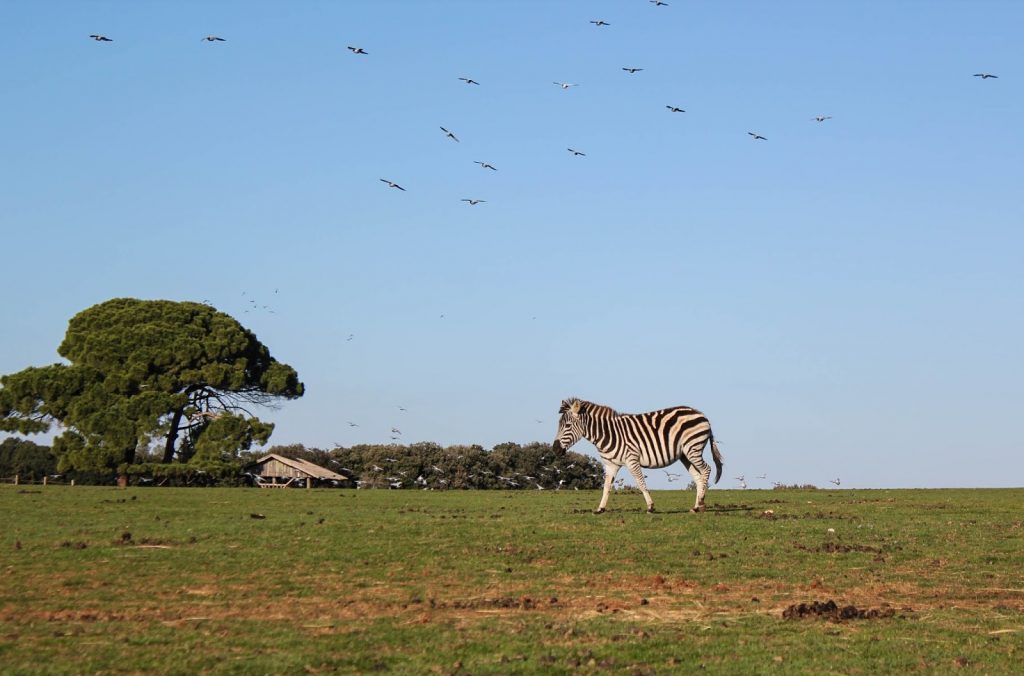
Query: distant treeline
<point>429,465</point>
<point>508,466</point>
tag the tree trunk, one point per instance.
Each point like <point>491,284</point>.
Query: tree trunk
<point>172,436</point>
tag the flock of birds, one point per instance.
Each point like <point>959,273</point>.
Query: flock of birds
<point>741,479</point>
<point>439,478</point>
<point>396,434</point>
<point>599,23</point>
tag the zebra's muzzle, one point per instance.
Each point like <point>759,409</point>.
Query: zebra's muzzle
<point>557,447</point>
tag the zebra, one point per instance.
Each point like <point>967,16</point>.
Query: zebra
<point>654,439</point>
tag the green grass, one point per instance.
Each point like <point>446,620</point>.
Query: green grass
<point>185,580</point>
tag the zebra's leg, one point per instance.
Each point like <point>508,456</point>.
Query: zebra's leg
<point>703,471</point>
<point>610,471</point>
<point>696,481</point>
<point>633,463</point>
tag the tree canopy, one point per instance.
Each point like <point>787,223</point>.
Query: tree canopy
<point>180,376</point>
<point>26,459</point>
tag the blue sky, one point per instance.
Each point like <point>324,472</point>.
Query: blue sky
<point>842,299</point>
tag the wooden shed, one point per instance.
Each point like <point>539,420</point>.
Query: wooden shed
<point>277,471</point>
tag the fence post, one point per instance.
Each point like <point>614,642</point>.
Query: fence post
<point>16,479</point>
<point>72,482</point>
<point>309,482</point>
<point>44,479</point>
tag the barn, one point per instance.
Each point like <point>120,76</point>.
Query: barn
<point>277,471</point>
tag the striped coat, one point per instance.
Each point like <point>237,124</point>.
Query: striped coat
<point>639,440</point>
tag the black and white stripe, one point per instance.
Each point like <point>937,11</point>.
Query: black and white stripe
<point>638,440</point>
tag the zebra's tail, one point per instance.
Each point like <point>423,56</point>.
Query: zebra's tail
<point>717,455</point>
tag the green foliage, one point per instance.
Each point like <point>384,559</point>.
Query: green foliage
<point>428,465</point>
<point>226,435</point>
<point>223,472</point>
<point>179,375</point>
<point>26,459</point>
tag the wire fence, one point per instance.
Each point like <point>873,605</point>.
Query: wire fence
<point>49,480</point>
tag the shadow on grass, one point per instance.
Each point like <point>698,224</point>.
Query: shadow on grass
<point>641,510</point>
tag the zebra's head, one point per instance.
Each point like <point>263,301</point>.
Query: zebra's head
<point>570,425</point>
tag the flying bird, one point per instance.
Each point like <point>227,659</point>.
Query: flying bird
<point>576,152</point>
<point>600,23</point>
<point>101,38</point>
<point>834,481</point>
<point>352,424</point>
<point>213,38</point>
<point>632,70</point>
<point>395,430</point>
<point>822,118</point>
<point>468,80</point>
<point>659,3</point>
<point>357,50</point>
<point>985,76</point>
<point>392,184</point>
<point>565,85</point>
<point>757,137</point>
<point>449,135</point>
<point>485,165</point>
<point>762,476</point>
<point>675,109</point>
<point>473,202</point>
<point>671,476</point>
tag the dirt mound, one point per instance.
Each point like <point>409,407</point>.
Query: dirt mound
<point>828,610</point>
<point>837,548</point>
<point>522,603</point>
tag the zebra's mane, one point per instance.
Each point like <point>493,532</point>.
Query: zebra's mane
<point>589,407</point>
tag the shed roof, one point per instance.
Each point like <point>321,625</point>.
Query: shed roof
<point>313,470</point>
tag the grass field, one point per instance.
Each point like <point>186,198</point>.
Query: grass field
<point>187,580</point>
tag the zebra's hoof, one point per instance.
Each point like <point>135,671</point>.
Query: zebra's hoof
<point>599,510</point>
<point>697,510</point>
<point>650,510</point>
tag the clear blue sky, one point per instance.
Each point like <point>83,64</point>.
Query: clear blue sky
<point>843,299</point>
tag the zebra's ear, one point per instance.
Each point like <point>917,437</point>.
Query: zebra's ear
<point>571,406</point>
